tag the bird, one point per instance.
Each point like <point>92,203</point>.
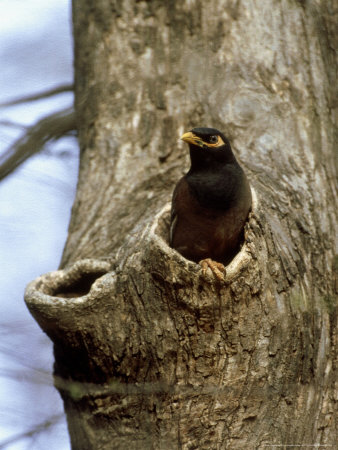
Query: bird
<point>210,203</point>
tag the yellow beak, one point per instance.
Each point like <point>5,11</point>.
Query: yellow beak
<point>191,138</point>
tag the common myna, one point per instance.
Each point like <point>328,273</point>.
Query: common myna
<point>211,203</point>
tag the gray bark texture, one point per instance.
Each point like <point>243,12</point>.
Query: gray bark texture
<point>150,352</point>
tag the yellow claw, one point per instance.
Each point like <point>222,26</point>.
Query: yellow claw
<point>217,268</point>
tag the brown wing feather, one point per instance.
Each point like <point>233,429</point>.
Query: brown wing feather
<point>173,214</point>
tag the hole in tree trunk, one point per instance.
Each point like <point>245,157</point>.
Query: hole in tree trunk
<point>163,224</point>
<point>162,227</point>
<point>77,287</point>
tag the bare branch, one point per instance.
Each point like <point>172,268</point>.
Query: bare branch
<point>40,95</point>
<point>9,123</point>
<point>47,129</point>
<point>43,426</point>
<point>33,376</point>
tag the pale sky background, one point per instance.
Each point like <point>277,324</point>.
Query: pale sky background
<point>35,204</point>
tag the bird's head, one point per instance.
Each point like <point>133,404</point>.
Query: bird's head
<point>208,144</point>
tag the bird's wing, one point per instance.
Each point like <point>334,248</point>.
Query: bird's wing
<point>173,221</point>
<point>173,215</point>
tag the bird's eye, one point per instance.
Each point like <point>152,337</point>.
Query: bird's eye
<point>213,139</point>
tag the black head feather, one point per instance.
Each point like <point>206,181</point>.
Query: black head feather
<point>207,133</point>
<point>214,174</point>
<point>208,147</point>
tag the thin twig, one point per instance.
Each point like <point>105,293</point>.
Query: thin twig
<point>34,430</point>
<point>39,95</point>
<point>47,129</point>
<point>31,376</point>
<point>9,123</point>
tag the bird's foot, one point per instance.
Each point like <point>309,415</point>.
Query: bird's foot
<point>216,268</point>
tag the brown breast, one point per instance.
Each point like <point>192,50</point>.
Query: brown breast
<point>198,233</point>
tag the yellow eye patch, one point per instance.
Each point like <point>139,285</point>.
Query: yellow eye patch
<point>192,138</point>
<point>218,143</point>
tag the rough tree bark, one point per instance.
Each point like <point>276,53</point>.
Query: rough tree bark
<point>149,351</point>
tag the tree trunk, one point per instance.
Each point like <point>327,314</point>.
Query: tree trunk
<point>150,352</point>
